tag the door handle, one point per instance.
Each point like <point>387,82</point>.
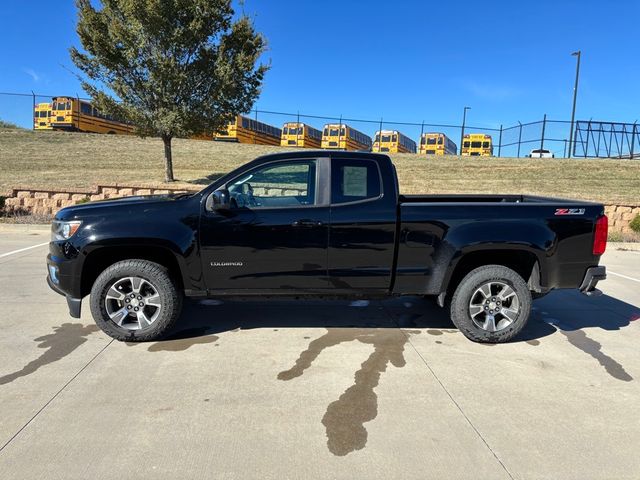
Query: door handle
<point>307,223</point>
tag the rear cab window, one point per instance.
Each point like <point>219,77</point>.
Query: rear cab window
<point>354,180</point>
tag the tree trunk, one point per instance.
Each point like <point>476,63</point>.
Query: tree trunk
<point>168,160</point>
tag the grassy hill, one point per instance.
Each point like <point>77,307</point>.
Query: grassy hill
<point>79,160</point>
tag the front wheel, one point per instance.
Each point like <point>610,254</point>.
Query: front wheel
<point>135,300</point>
<point>491,304</point>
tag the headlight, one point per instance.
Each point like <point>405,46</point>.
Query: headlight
<point>64,230</point>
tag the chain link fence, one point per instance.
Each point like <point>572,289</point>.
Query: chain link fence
<point>517,140</point>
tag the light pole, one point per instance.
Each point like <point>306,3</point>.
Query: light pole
<point>575,97</point>
<point>464,120</point>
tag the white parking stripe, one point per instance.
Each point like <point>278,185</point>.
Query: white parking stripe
<point>623,276</point>
<point>24,249</point>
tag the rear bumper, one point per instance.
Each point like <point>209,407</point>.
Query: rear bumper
<point>592,276</point>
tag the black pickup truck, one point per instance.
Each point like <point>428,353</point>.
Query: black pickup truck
<point>327,223</point>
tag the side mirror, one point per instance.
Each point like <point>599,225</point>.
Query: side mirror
<point>219,200</point>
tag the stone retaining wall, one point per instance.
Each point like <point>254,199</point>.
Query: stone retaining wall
<point>620,216</point>
<point>38,201</point>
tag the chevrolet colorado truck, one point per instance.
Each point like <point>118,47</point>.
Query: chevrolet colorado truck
<point>324,223</point>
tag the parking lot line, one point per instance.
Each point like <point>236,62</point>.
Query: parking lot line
<point>24,249</point>
<point>623,276</point>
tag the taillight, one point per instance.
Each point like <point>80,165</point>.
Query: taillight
<point>600,235</point>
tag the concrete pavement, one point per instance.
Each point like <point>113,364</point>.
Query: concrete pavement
<point>318,389</point>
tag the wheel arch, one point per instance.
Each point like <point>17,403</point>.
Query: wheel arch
<point>524,262</point>
<point>101,258</point>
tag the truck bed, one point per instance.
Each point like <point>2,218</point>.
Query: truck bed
<point>436,229</point>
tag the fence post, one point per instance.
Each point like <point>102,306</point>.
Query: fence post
<point>78,103</point>
<point>298,130</point>
<point>340,131</point>
<point>500,142</point>
<point>256,118</point>
<point>633,138</point>
<point>585,146</point>
<point>564,154</point>
<point>33,111</point>
<point>544,126</point>
<point>379,136</point>
<point>519,137</point>
<point>421,133</point>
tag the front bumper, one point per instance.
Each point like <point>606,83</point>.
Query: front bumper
<point>74,304</point>
<point>591,279</point>
<point>63,280</point>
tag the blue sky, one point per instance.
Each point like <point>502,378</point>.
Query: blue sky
<point>407,60</point>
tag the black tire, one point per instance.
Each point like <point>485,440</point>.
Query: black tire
<point>461,311</point>
<point>170,299</point>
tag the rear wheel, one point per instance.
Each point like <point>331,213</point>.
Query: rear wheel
<point>491,304</point>
<point>135,300</point>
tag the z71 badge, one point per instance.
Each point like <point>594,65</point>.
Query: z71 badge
<point>569,211</point>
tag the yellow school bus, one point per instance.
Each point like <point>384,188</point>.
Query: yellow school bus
<point>393,141</point>
<point>42,116</point>
<point>477,144</point>
<point>296,134</point>
<point>437,144</point>
<point>72,114</point>
<point>246,130</point>
<point>343,137</point>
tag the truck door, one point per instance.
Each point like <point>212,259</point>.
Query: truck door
<point>363,223</point>
<point>275,236</point>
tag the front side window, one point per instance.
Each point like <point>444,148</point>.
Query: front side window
<point>354,180</point>
<point>284,184</point>
<point>465,144</point>
<point>485,144</point>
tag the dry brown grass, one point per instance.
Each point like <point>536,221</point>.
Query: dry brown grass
<point>75,160</point>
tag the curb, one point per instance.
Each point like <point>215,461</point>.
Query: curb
<point>24,227</point>
<point>630,246</point>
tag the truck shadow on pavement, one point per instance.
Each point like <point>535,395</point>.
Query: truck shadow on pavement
<point>573,310</point>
